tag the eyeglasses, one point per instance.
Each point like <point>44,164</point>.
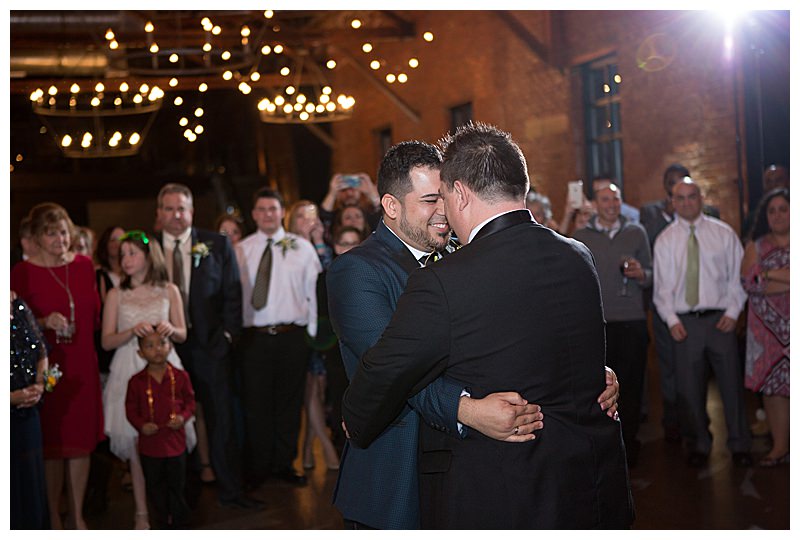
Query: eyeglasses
<point>135,235</point>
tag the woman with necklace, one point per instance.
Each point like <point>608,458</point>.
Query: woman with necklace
<point>59,287</point>
<point>765,277</point>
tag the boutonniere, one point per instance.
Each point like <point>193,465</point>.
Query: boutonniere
<point>287,243</point>
<point>200,250</point>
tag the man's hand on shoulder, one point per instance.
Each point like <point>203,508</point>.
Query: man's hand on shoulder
<point>504,416</point>
<point>608,399</point>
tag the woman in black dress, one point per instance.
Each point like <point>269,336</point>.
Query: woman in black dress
<point>28,363</point>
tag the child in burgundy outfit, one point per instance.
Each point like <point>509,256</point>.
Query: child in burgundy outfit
<point>159,400</point>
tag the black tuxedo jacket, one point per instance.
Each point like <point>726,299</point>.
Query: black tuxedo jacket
<point>215,295</point>
<point>517,309</point>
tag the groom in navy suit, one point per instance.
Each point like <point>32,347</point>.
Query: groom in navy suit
<point>379,487</point>
<point>203,265</point>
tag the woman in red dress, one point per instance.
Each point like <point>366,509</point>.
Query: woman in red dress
<point>59,287</point>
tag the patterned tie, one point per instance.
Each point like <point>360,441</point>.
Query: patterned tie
<point>692,269</point>
<point>177,277</point>
<point>429,258</point>
<point>261,288</point>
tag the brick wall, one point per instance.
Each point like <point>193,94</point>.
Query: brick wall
<point>680,111</point>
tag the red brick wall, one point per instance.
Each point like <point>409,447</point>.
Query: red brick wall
<point>683,112</point>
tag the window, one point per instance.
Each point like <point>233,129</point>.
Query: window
<point>460,115</point>
<point>601,102</point>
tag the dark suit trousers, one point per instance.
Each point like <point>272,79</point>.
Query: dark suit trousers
<point>691,369</point>
<point>665,350</point>
<point>165,479</point>
<point>626,354</point>
<point>211,381</point>
<point>273,382</point>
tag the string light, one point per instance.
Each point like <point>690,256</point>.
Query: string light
<point>149,27</point>
<point>366,47</point>
<point>331,64</point>
<point>428,36</point>
<point>355,23</point>
<point>173,58</point>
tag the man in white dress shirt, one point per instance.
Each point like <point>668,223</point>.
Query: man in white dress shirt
<point>279,305</point>
<point>698,294</point>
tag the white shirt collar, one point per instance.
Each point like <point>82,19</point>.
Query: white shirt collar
<point>687,223</point>
<point>417,253</point>
<point>277,237</point>
<point>479,226</point>
<point>169,240</point>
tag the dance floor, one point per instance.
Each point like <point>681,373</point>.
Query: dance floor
<point>667,493</point>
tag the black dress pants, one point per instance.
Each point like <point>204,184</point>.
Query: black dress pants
<point>165,479</point>
<point>273,383</point>
<point>626,354</point>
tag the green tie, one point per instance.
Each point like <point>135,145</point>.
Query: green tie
<point>692,269</point>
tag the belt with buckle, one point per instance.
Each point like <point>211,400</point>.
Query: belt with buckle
<point>702,313</point>
<point>275,329</point>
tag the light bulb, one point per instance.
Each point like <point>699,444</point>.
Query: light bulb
<point>309,107</point>
<point>198,112</point>
<point>203,87</point>
<point>331,64</point>
<point>245,31</point>
<point>66,141</point>
<point>134,138</point>
<point>173,82</point>
<point>355,23</point>
<point>290,90</point>
<point>227,75</point>
<point>51,101</point>
<point>287,108</point>
<point>173,58</point>
<point>86,143</point>
<point>262,105</point>
<point>245,88</point>
<point>324,98</point>
<point>617,78</point>
<point>226,55</point>
<point>298,107</point>
<point>402,77</point>
<point>183,122</point>
<point>95,101</point>
<point>268,14</point>
<point>304,115</point>
<point>144,89</point>
<point>74,88</point>
<point>117,135</point>
<point>137,98</point>
<point>279,101</point>
<point>216,30</point>
<point>205,21</point>
<point>265,50</point>
<point>198,129</point>
<point>109,34</point>
<point>53,90</point>
<point>114,45</point>
<point>366,47</point>
<point>149,27</point>
<point>301,98</point>
<point>206,47</point>
<point>123,87</point>
<point>285,71</point>
<point>255,76</point>
<point>375,64</point>
<point>113,143</point>
<point>427,36</point>
<point>271,107</point>
<point>330,107</point>
<point>118,101</point>
<point>320,109</point>
<point>99,87</point>
<point>277,49</point>
<point>178,100</point>
<point>187,133</point>
<point>413,63</point>
<point>326,90</point>
<point>390,78</point>
<point>154,48</point>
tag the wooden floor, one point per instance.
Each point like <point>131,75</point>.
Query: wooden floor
<point>667,493</point>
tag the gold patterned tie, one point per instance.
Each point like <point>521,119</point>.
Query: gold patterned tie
<point>177,277</point>
<point>261,288</point>
<point>692,269</point>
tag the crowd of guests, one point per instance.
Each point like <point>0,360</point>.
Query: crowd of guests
<point>187,351</point>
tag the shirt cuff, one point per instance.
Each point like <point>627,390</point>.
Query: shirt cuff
<point>461,428</point>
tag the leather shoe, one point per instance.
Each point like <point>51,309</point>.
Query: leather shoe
<point>697,459</point>
<point>291,477</point>
<point>242,502</point>
<point>742,459</point>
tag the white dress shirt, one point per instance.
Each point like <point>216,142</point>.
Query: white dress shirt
<point>720,261</point>
<point>292,296</point>
<point>168,241</point>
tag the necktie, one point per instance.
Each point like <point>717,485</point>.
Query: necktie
<point>261,288</point>
<point>692,269</point>
<point>429,258</point>
<point>177,277</point>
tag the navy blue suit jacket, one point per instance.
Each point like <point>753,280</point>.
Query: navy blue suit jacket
<point>379,487</point>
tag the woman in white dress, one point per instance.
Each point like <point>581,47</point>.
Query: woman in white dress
<point>145,302</point>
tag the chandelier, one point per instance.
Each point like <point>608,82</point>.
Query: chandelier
<point>308,97</point>
<point>99,123</point>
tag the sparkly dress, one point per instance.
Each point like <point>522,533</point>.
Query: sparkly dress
<point>144,303</point>
<point>72,415</point>
<point>767,359</point>
<point>28,489</point>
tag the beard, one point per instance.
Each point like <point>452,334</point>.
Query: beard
<point>421,236</point>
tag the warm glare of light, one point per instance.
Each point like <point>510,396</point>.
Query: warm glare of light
<point>66,141</point>
<point>53,90</point>
<point>109,34</point>
<point>118,101</point>
<point>51,101</point>
<point>606,88</point>
<point>262,105</point>
<point>366,47</point>
<point>144,89</point>
<point>390,78</point>
<point>617,78</point>
<point>226,55</point>
<point>123,87</point>
<point>402,77</point>
<point>178,101</point>
<point>287,108</point>
<point>375,64</point>
<point>320,108</point>
<point>324,98</point>
<point>173,82</point>
<point>154,48</point>
<point>309,107</point>
<point>290,90</point>
<point>301,98</point>
<point>173,58</point>
<point>285,71</point>
<point>245,31</point>
<point>255,76</point>
<point>205,21</point>
<point>298,107</point>
<point>427,36</point>
<point>331,64</point>
<point>355,23</point>
<point>245,88</point>
<point>198,129</point>
<point>149,27</point>
<point>413,63</point>
<point>74,88</point>
<point>134,138</point>
<point>326,90</point>
<point>113,143</point>
<point>95,101</point>
<point>203,87</point>
<point>86,143</point>
<point>279,101</point>
<point>268,14</point>
<point>99,87</point>
<point>277,49</point>
<point>227,75</point>
<point>216,30</point>
<point>266,49</point>
<point>114,44</point>
<point>206,47</point>
<point>304,116</point>
<point>183,122</point>
<point>330,107</point>
<point>198,112</point>
<point>137,98</point>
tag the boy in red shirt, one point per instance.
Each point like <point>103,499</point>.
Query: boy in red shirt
<point>160,399</point>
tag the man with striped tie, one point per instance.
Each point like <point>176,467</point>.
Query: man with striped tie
<point>698,294</point>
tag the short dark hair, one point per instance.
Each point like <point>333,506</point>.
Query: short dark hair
<point>761,225</point>
<point>486,160</point>
<point>395,168</point>
<point>675,168</point>
<point>268,193</point>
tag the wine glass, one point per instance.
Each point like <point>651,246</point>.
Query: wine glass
<point>624,264</point>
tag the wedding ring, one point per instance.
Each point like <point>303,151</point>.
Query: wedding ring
<point>516,430</point>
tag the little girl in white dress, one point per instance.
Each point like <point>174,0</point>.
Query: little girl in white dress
<point>145,302</point>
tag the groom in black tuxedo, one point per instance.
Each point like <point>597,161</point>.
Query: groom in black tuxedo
<point>517,307</point>
<point>203,266</point>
